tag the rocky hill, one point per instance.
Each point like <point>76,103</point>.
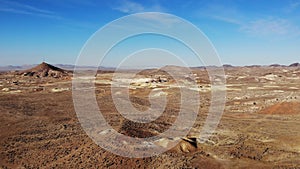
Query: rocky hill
<point>45,70</point>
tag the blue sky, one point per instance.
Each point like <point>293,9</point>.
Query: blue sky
<point>243,32</point>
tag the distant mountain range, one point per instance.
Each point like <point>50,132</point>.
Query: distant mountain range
<point>71,67</point>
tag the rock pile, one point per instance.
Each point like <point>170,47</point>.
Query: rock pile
<point>158,80</point>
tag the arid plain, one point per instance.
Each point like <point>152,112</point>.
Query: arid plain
<point>260,126</point>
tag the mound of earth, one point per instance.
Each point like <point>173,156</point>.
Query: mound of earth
<point>294,65</point>
<point>276,65</point>
<point>227,66</point>
<point>45,70</point>
<point>284,108</point>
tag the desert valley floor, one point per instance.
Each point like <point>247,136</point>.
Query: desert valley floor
<point>260,127</point>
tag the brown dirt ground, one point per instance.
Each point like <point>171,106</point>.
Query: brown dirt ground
<point>259,128</point>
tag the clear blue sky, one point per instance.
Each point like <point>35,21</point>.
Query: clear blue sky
<point>244,32</point>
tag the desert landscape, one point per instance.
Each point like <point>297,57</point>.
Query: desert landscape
<point>260,126</point>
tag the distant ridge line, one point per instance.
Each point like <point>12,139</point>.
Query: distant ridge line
<point>70,67</point>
